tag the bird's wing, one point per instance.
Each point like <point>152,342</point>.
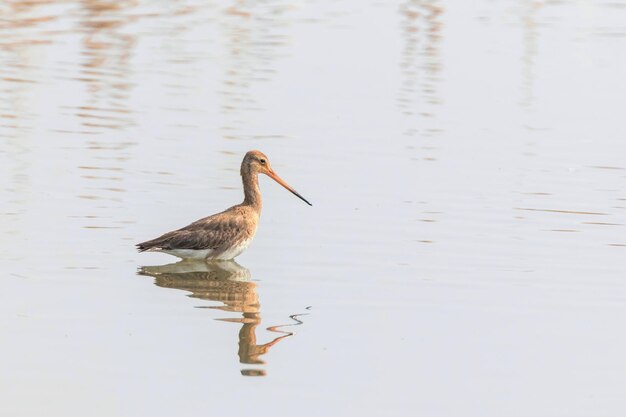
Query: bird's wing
<point>216,232</point>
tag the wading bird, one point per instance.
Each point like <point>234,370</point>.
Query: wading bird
<point>224,235</point>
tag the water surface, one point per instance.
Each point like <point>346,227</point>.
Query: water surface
<point>464,255</point>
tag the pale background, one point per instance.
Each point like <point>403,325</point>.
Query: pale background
<point>465,254</point>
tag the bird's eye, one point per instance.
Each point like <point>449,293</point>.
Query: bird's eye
<point>262,161</point>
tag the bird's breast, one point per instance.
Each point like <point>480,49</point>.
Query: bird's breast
<point>235,249</point>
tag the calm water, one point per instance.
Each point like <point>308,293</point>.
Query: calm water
<point>465,254</point>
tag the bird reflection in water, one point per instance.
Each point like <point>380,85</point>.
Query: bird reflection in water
<point>230,284</point>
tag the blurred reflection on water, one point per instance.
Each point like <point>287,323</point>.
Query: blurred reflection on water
<point>421,65</point>
<point>107,47</point>
<point>531,26</point>
<point>227,283</point>
<point>255,36</point>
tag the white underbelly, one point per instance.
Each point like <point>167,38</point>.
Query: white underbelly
<point>189,253</point>
<point>228,254</point>
<point>233,252</point>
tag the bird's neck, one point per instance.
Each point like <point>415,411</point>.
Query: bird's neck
<point>251,191</point>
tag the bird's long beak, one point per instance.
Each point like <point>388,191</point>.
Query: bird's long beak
<point>279,180</point>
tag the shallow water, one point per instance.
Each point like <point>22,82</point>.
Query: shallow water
<point>464,255</point>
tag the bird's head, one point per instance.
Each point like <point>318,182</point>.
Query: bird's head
<point>255,162</point>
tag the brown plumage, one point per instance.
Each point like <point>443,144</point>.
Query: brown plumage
<point>224,235</point>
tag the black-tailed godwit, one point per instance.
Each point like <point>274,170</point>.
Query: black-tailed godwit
<point>224,235</point>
